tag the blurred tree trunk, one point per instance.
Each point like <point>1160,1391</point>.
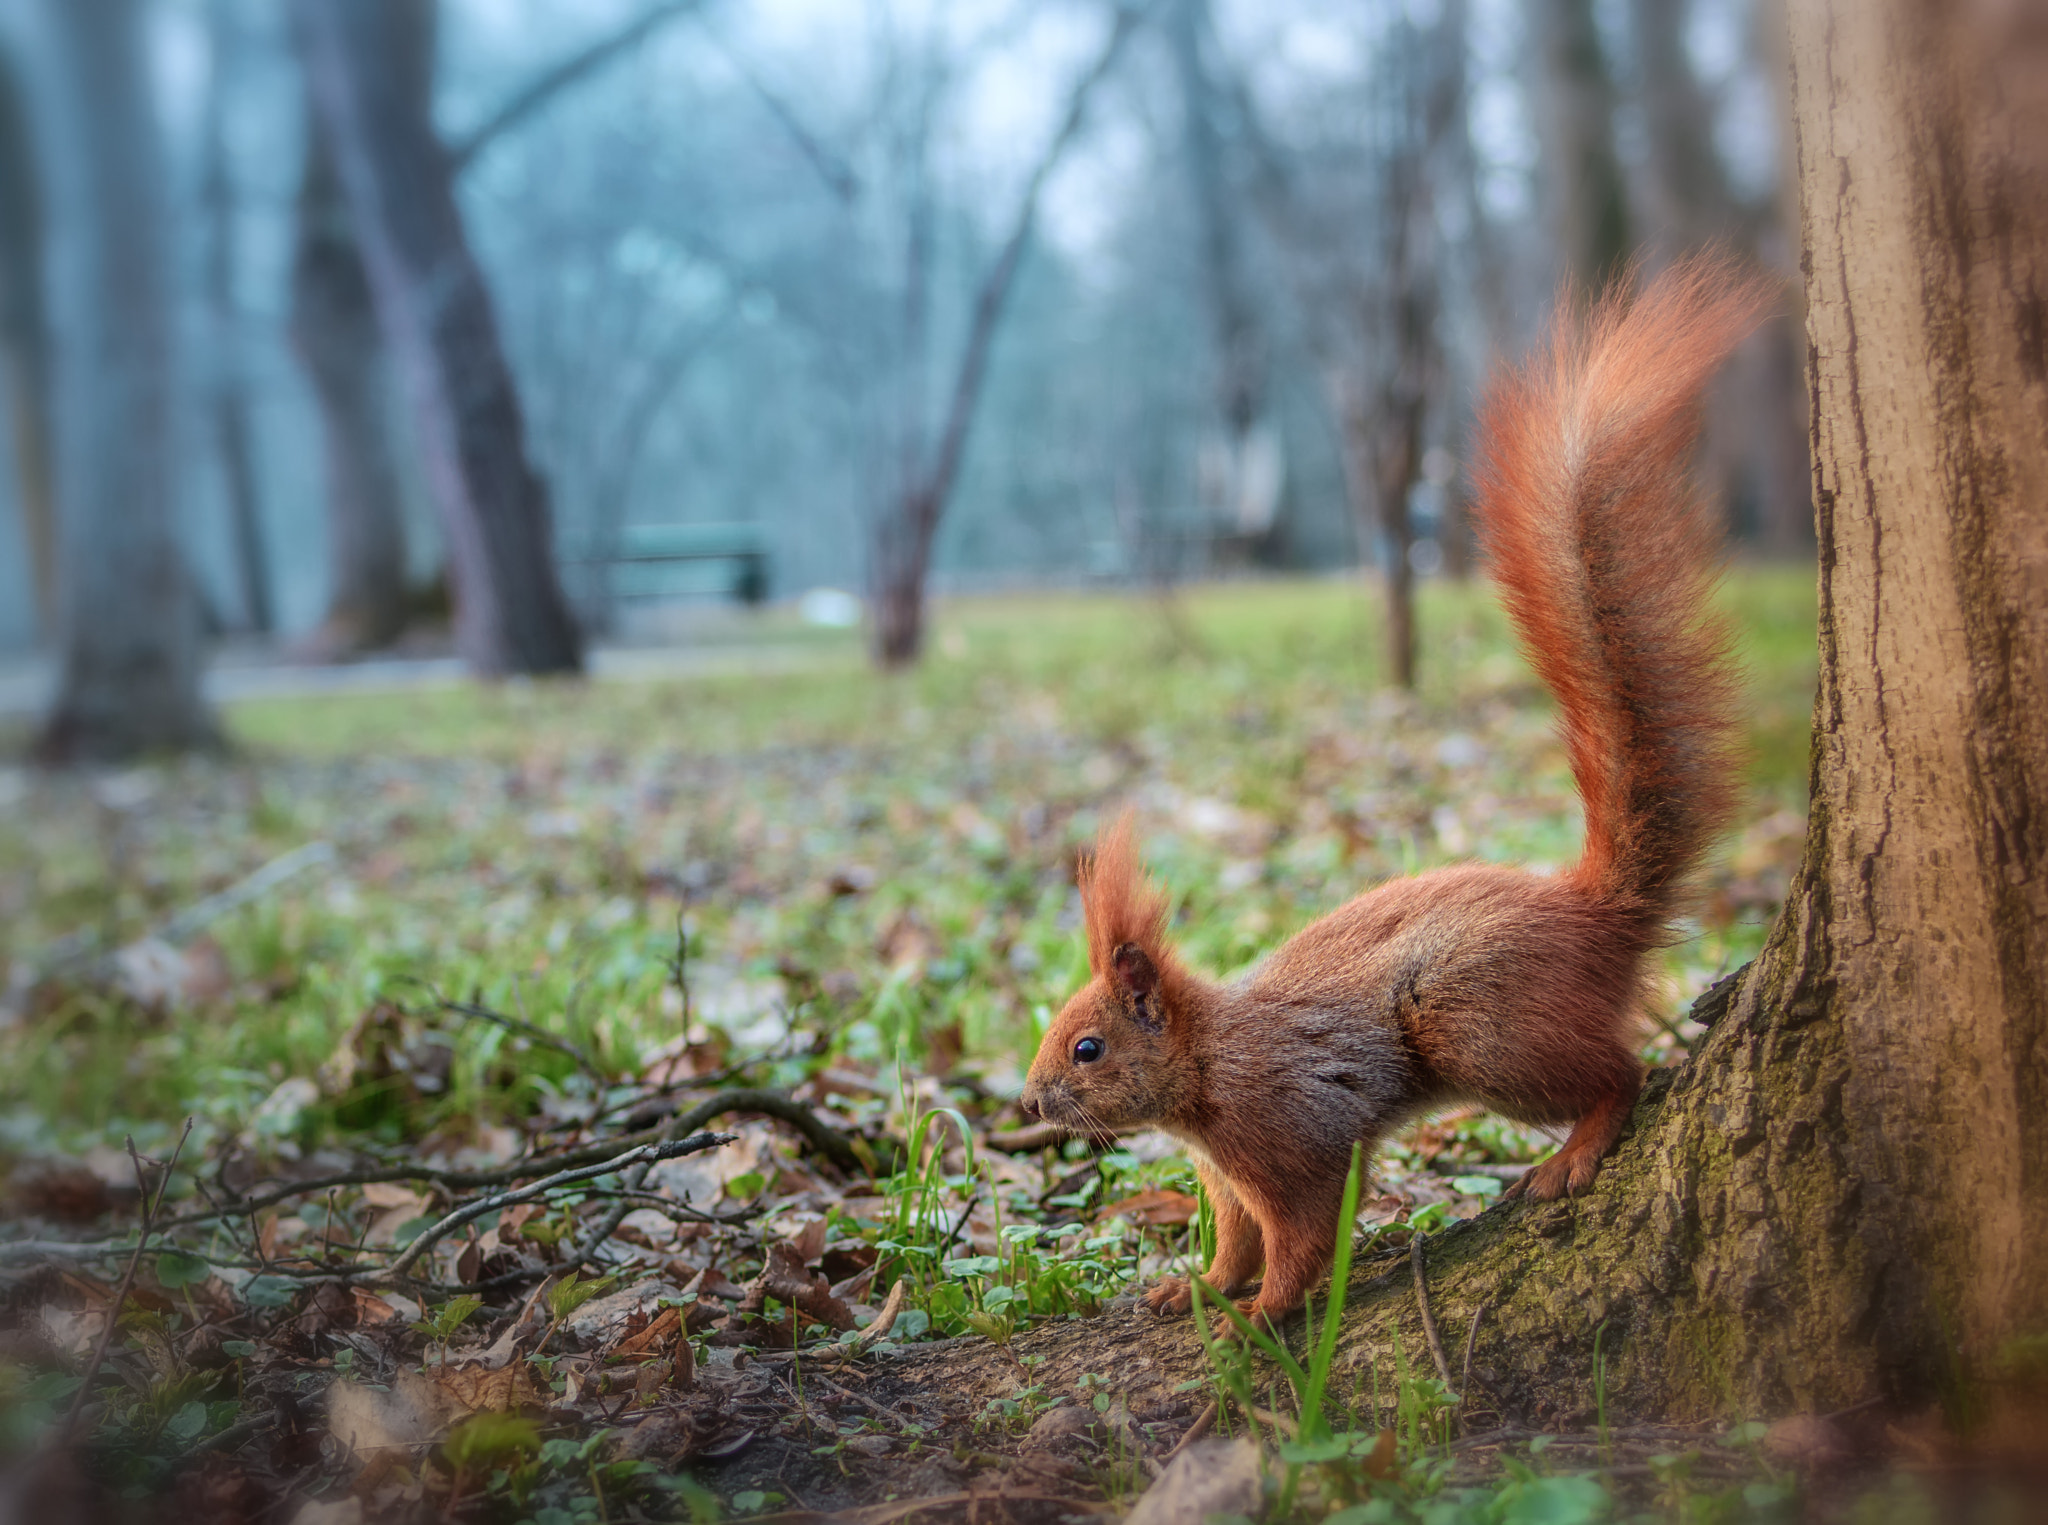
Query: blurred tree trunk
<point>1392,376</point>
<point>1690,199</point>
<point>1242,479</point>
<point>1755,447</point>
<point>334,330</point>
<point>1582,181</point>
<point>369,67</point>
<point>129,681</point>
<point>25,340</point>
<point>228,384</point>
<point>901,548</point>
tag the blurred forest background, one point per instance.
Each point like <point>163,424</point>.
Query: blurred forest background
<point>319,317</point>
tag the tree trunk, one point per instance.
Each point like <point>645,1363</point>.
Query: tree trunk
<point>1588,201</point>
<point>901,547</point>
<point>228,389</point>
<point>902,552</point>
<point>1381,443</point>
<point>24,339</point>
<point>1690,202</point>
<point>1839,1198</point>
<point>130,622</point>
<point>334,330</point>
<point>366,63</point>
<point>1397,460</point>
<point>1239,480</point>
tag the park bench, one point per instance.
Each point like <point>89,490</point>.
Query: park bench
<point>737,552</point>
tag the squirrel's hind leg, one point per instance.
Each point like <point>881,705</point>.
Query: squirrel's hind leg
<point>1572,1169</point>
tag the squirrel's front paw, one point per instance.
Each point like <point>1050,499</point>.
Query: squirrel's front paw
<point>1170,1297</point>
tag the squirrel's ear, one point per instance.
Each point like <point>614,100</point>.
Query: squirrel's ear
<point>1136,974</point>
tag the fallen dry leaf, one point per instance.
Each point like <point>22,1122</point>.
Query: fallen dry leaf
<point>478,1390</point>
<point>1157,1208</point>
<point>785,1277</point>
<point>663,1328</point>
<point>366,1420</point>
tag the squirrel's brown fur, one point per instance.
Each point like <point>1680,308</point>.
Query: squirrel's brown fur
<point>1474,982</point>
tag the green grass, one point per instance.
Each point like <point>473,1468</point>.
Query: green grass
<point>883,862</point>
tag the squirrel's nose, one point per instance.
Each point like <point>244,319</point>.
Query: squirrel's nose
<point>1028,1105</point>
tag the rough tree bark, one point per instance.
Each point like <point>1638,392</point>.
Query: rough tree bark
<point>364,60</point>
<point>25,339</point>
<point>901,550</point>
<point>129,680</point>
<point>1843,1195</point>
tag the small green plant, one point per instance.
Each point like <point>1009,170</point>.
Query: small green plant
<point>440,1325</point>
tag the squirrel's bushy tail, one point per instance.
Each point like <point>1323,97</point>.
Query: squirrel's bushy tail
<point>1606,559</point>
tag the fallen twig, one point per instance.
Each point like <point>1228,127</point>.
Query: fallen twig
<point>525,1029</point>
<point>895,1416</point>
<point>150,1205</point>
<point>1471,1339</point>
<point>195,918</point>
<point>1509,1434</point>
<point>1436,1346</point>
<point>899,1509</point>
<point>1029,1139</point>
<point>82,947</point>
<point>227,1439</point>
<point>827,1141</point>
<point>468,1213</point>
<point>834,1145</point>
<point>1203,1424</point>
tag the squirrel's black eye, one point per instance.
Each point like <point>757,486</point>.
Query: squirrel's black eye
<point>1087,1051</point>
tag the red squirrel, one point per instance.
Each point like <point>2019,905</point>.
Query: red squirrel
<point>1475,982</point>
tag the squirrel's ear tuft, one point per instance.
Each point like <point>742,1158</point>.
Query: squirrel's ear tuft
<point>1123,908</point>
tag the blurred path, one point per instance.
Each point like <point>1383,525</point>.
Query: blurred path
<point>25,684</point>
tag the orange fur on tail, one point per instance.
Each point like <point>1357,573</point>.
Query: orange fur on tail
<point>1604,554</point>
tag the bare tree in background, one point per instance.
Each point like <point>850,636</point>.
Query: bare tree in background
<point>1756,424</point>
<point>1583,187</point>
<point>227,384</point>
<point>369,66</point>
<point>901,548</point>
<point>334,330</point>
<point>25,337</point>
<point>1242,472</point>
<point>1360,218</point>
<point>129,679</point>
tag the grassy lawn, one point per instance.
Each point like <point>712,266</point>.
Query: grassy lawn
<point>538,911</point>
<point>881,865</point>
